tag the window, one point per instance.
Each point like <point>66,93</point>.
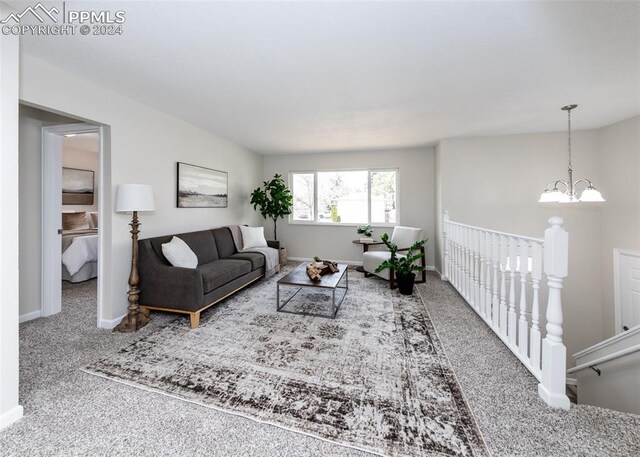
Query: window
<point>345,197</point>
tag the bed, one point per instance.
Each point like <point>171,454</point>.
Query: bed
<point>79,247</point>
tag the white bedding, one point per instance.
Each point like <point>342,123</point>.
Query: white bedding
<point>83,249</point>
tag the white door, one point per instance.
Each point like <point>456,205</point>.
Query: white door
<point>627,289</point>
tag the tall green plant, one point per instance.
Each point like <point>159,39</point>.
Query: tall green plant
<point>273,200</point>
<point>405,265</point>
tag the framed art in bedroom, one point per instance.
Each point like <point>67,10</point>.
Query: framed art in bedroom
<point>200,187</point>
<point>77,186</point>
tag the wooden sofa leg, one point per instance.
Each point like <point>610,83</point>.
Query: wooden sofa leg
<point>195,320</point>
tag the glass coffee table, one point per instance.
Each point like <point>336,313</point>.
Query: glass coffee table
<point>330,282</point>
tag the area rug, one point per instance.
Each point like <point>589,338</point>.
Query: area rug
<point>375,378</point>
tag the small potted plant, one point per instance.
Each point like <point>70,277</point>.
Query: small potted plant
<point>318,263</point>
<point>404,267</point>
<point>365,230</point>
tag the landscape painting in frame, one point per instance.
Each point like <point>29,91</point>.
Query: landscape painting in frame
<point>200,187</point>
<point>77,187</point>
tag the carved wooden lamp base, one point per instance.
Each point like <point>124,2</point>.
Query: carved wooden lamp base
<point>132,323</point>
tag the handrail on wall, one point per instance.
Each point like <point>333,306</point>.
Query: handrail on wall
<point>605,358</point>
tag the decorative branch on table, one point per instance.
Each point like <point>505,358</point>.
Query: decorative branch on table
<point>273,200</point>
<point>315,271</point>
<point>404,266</point>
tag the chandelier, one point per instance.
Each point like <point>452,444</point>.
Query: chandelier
<point>567,193</point>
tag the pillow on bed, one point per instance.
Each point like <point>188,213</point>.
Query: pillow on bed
<point>179,254</point>
<point>252,237</point>
<point>74,221</point>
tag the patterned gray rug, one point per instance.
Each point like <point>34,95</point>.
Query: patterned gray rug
<point>375,378</point>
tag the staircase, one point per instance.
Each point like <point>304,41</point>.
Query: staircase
<point>608,373</point>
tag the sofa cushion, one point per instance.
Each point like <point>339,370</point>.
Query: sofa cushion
<point>252,237</point>
<point>256,259</point>
<point>201,243</point>
<point>179,254</point>
<point>224,241</point>
<point>217,273</point>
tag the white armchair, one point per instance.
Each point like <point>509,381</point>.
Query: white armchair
<point>403,237</point>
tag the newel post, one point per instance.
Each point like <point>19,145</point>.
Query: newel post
<point>552,389</point>
<point>445,250</point>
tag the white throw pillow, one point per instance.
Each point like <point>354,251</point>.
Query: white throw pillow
<point>179,254</point>
<point>253,237</point>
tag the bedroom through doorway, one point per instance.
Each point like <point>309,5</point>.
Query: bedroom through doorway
<point>80,221</point>
<point>71,225</point>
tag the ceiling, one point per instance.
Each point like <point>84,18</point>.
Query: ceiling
<point>279,77</point>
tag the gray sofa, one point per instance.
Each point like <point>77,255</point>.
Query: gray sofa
<point>221,271</point>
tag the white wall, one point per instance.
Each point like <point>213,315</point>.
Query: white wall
<point>415,197</point>
<point>495,182</point>
<point>620,184</point>
<point>10,411</point>
<point>144,145</point>
<point>31,122</point>
<point>82,159</point>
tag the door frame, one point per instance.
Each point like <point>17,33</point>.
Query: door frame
<point>51,287</point>
<point>617,254</point>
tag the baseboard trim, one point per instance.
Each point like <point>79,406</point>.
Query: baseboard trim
<point>111,323</point>
<point>572,381</point>
<point>30,316</point>
<point>11,416</point>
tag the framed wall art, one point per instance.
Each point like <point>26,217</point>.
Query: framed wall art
<point>77,186</point>
<point>200,187</point>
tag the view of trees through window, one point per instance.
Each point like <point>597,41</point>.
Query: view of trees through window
<point>345,197</point>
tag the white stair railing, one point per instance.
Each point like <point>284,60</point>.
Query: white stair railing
<point>486,266</point>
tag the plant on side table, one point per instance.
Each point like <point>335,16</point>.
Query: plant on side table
<point>403,266</point>
<point>365,230</point>
<point>273,200</point>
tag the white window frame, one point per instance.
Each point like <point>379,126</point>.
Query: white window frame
<point>369,171</point>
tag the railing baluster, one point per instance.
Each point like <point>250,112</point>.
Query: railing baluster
<point>445,246</point>
<point>495,299</point>
<point>536,275</point>
<point>511,324</point>
<point>503,285</point>
<point>457,249</point>
<point>481,285</point>
<point>467,267</point>
<point>488,248</point>
<point>476,272</point>
<point>523,323</point>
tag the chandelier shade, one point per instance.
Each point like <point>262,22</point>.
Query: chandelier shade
<point>567,193</point>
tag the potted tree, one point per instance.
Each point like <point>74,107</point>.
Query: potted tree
<point>273,200</point>
<point>403,266</point>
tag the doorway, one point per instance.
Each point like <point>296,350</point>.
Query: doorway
<point>72,203</point>
<point>626,272</point>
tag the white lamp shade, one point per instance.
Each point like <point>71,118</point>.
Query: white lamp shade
<point>547,197</point>
<point>591,194</point>
<point>134,197</point>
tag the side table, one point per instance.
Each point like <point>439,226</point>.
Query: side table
<point>365,248</point>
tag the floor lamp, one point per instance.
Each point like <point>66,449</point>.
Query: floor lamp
<point>131,198</point>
